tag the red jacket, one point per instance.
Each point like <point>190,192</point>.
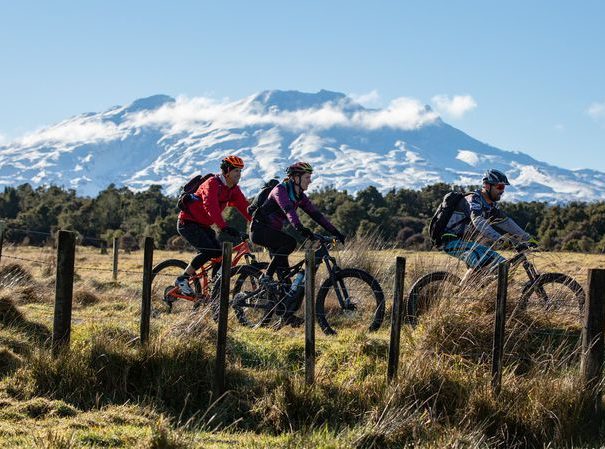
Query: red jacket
<point>214,196</point>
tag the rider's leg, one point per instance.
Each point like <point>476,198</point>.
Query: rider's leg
<point>279,244</point>
<point>473,254</point>
<point>487,257</point>
<point>203,239</point>
<point>478,258</point>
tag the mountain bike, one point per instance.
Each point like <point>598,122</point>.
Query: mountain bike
<point>546,291</point>
<point>346,295</point>
<point>167,298</point>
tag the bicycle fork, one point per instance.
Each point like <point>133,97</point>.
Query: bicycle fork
<point>344,299</point>
<point>533,275</point>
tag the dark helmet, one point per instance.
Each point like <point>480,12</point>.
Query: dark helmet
<point>493,176</point>
<point>299,168</point>
<point>231,162</point>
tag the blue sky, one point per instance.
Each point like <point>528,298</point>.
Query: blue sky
<point>528,76</point>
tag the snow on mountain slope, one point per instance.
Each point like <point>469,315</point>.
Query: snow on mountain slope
<point>160,140</point>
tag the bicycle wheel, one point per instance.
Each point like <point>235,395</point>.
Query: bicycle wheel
<point>162,288</point>
<point>557,294</point>
<point>363,301</point>
<point>253,311</point>
<point>427,291</point>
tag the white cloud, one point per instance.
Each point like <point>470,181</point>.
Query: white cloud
<point>77,130</point>
<point>369,100</point>
<point>455,106</point>
<point>203,113</point>
<point>185,113</point>
<point>597,112</point>
<point>401,113</point>
<point>3,139</point>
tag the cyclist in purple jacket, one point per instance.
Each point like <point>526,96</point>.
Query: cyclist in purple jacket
<point>279,208</point>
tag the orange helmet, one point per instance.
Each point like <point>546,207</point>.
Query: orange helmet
<point>231,162</point>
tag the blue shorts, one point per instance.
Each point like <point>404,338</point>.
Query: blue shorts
<point>473,254</point>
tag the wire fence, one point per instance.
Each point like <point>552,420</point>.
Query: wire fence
<point>352,255</point>
<point>567,345</point>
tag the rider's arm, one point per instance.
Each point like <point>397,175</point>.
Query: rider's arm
<point>480,223</point>
<point>239,201</point>
<point>316,215</point>
<point>281,198</point>
<point>209,192</point>
<point>508,226</point>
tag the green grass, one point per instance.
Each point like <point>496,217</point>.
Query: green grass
<point>108,391</point>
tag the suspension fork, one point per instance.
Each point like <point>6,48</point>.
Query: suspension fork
<point>533,275</point>
<point>340,288</point>
<point>251,260</point>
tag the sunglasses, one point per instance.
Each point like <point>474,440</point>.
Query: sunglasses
<point>500,186</point>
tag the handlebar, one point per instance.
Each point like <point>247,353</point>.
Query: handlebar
<point>518,246</point>
<point>524,247</point>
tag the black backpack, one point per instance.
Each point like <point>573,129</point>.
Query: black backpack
<point>262,196</point>
<point>190,188</point>
<point>442,216</point>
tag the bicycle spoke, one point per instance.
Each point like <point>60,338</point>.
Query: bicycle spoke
<point>555,301</point>
<point>351,302</point>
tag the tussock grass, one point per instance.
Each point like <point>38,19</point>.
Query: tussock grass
<point>9,361</point>
<point>108,391</point>
<point>55,440</point>
<point>369,253</point>
<point>30,294</point>
<point>14,274</point>
<point>9,313</point>
<point>12,317</point>
<point>163,436</point>
<point>85,298</point>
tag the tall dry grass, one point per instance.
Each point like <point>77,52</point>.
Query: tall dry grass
<point>441,398</point>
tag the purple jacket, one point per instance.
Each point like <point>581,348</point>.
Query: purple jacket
<point>280,207</point>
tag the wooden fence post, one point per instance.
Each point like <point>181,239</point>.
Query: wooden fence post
<point>2,228</point>
<point>591,365</point>
<point>115,259</point>
<point>146,297</point>
<point>499,325</point>
<point>310,317</point>
<point>396,319</point>
<point>223,315</point>
<point>64,290</point>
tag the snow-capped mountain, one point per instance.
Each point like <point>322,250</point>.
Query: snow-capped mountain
<point>162,140</point>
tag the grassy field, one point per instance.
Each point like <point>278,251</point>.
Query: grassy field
<point>107,391</point>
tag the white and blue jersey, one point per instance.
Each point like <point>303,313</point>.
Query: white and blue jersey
<point>488,222</point>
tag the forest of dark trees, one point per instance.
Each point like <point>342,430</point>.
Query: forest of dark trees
<point>399,216</point>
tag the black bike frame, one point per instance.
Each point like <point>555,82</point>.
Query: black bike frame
<point>322,255</point>
<point>530,270</point>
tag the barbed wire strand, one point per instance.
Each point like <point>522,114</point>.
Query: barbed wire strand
<point>49,234</point>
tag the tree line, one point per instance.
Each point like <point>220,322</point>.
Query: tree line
<point>399,216</point>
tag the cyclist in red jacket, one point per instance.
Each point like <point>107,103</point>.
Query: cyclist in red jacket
<point>204,209</point>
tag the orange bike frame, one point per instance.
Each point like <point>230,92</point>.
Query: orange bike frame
<point>240,250</point>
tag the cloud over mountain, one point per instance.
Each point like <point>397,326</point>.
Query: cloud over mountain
<point>161,140</point>
<point>455,106</point>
